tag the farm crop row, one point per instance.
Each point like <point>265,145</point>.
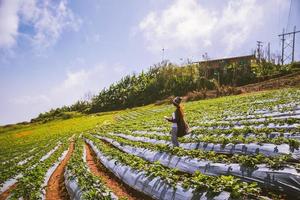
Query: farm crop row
<point>197,181</point>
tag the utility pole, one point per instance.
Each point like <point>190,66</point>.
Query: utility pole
<point>163,54</point>
<point>205,58</point>
<point>269,52</point>
<point>259,45</point>
<point>283,46</point>
<point>294,38</point>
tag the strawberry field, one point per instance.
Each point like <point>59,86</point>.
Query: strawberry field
<point>239,147</point>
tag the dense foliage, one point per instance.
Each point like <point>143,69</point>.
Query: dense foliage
<point>165,80</point>
<point>158,83</point>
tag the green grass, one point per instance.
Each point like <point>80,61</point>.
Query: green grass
<point>17,141</point>
<point>140,118</point>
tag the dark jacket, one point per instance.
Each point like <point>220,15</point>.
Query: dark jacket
<point>182,126</point>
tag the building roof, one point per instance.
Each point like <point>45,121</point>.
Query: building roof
<point>228,59</point>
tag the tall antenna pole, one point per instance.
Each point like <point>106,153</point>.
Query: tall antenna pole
<point>163,54</point>
<point>283,56</point>
<point>259,45</point>
<point>269,52</point>
<point>282,48</point>
<point>294,38</point>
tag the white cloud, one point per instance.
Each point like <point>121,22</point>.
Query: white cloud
<point>238,20</point>
<point>51,21</point>
<point>192,25</point>
<point>180,25</point>
<point>48,19</point>
<point>75,79</point>
<point>84,80</point>
<point>31,100</point>
<point>93,38</point>
<point>8,23</point>
<point>119,69</point>
<point>74,87</point>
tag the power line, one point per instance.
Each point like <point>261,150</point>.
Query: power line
<point>269,52</point>
<point>259,45</point>
<point>289,16</point>
<point>285,45</point>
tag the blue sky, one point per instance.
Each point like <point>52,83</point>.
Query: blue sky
<point>53,53</point>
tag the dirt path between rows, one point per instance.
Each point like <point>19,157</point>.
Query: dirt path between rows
<point>111,181</point>
<point>56,189</point>
<point>6,193</point>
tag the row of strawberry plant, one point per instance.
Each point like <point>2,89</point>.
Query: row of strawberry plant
<point>282,179</point>
<point>247,135</point>
<point>210,128</point>
<point>250,161</point>
<point>16,153</point>
<point>257,122</point>
<point>275,115</point>
<point>9,170</point>
<point>216,111</point>
<point>245,149</point>
<point>223,140</point>
<point>29,186</point>
<point>77,172</point>
<point>197,180</point>
<point>254,135</point>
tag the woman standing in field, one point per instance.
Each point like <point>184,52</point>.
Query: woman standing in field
<point>179,126</point>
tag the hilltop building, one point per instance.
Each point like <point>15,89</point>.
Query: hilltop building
<point>227,67</point>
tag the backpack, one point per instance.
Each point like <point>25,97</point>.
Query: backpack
<point>183,128</point>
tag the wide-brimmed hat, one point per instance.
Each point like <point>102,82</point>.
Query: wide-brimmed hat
<point>177,100</point>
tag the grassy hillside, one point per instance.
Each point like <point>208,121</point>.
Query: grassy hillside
<point>166,79</point>
<point>268,117</point>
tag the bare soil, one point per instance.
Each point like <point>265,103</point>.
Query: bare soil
<point>110,180</point>
<point>291,80</point>
<point>5,194</point>
<point>56,189</point>
<point>23,134</point>
<point>287,81</point>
